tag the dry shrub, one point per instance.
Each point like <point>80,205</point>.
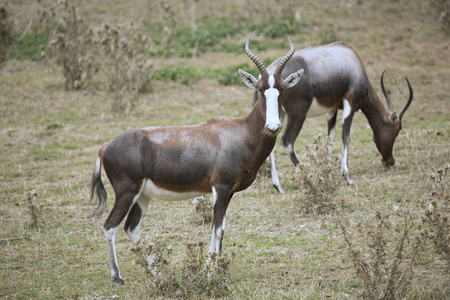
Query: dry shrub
<point>383,251</point>
<point>198,275</point>
<point>318,177</point>
<point>120,51</point>
<point>32,208</point>
<point>437,214</point>
<point>443,9</point>
<point>6,34</point>
<point>202,211</point>
<point>70,48</point>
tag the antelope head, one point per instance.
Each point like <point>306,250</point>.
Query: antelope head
<point>270,87</point>
<point>386,139</point>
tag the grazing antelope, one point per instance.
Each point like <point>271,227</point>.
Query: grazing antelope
<point>335,78</point>
<point>220,156</point>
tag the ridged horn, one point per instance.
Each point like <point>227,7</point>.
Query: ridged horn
<point>411,95</point>
<point>388,100</point>
<point>285,59</point>
<point>386,94</point>
<point>253,57</point>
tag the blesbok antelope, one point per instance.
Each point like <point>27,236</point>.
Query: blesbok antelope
<point>220,156</point>
<point>335,78</point>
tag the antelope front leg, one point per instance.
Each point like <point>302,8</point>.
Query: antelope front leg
<point>110,235</point>
<point>347,118</point>
<point>273,171</point>
<point>221,200</point>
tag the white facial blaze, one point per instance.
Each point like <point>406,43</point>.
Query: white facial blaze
<point>272,116</point>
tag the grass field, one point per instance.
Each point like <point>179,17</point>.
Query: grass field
<point>50,138</point>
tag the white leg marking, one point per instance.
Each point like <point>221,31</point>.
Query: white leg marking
<point>291,151</point>
<point>272,116</point>
<point>110,236</point>
<point>330,115</point>
<point>214,195</point>
<point>219,236</point>
<point>274,173</point>
<point>212,245</point>
<point>134,234</point>
<point>344,169</point>
<point>347,110</point>
<point>216,237</point>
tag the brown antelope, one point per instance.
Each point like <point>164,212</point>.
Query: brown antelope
<point>335,78</point>
<point>220,156</point>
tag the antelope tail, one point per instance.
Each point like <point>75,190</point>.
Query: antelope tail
<point>98,188</point>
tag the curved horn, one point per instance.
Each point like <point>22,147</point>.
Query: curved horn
<point>386,94</point>
<point>285,59</point>
<point>253,57</point>
<point>411,94</point>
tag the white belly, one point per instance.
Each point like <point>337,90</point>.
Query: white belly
<point>152,191</point>
<point>316,109</point>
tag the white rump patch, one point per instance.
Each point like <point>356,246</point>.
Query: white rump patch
<point>154,192</point>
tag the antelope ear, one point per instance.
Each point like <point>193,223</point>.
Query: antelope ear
<point>248,79</point>
<point>292,79</point>
<point>394,117</point>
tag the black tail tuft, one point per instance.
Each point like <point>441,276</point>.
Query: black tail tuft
<point>98,188</point>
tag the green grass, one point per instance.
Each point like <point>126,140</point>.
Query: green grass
<point>28,47</point>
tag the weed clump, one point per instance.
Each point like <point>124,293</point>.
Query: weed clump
<point>32,208</point>
<point>318,179</point>
<point>202,210</point>
<point>6,34</point>
<point>437,214</point>
<point>383,253</point>
<point>200,274</point>
<point>119,51</point>
<point>68,45</point>
<point>443,8</point>
<point>122,53</point>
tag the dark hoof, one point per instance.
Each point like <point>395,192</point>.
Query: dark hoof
<point>278,188</point>
<point>119,281</point>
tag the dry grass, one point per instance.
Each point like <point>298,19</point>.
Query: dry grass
<point>50,138</point>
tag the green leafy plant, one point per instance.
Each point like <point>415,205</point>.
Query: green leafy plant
<point>29,46</point>
<point>185,75</point>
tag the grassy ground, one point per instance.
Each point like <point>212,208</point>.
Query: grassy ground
<point>50,139</point>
